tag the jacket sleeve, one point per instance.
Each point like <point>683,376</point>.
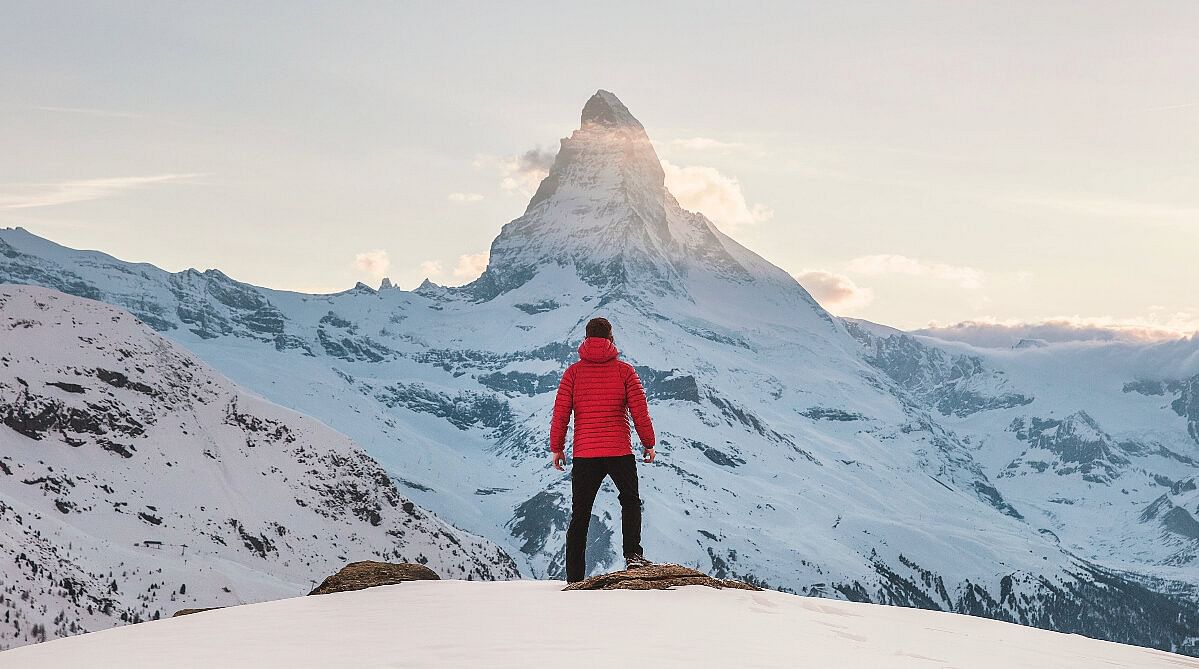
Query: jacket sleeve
<point>563,403</point>
<point>634,395</point>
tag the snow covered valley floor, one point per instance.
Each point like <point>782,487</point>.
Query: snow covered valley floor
<point>534,623</point>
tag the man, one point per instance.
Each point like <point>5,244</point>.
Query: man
<point>602,391</point>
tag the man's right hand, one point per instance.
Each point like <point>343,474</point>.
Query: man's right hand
<point>558,458</point>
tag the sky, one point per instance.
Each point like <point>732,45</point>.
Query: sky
<point>912,163</point>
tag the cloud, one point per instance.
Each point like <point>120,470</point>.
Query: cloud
<point>431,268</point>
<point>719,197</point>
<point>874,265</point>
<point>115,114</point>
<point>995,333</point>
<point>109,113</point>
<point>1184,105</point>
<point>374,262</point>
<point>707,144</point>
<point>835,292</point>
<point>521,173</point>
<point>470,265</point>
<point>467,269</point>
<point>1131,210</point>
<point>465,197</point>
<point>49,194</point>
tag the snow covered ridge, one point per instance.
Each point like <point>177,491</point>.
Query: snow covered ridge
<point>135,481</point>
<point>534,623</point>
<point>797,451</point>
<point>1098,439</point>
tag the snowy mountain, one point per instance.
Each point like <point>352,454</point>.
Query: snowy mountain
<point>135,481</point>
<point>1101,440</point>
<point>421,624</point>
<point>796,450</point>
<point>604,211</point>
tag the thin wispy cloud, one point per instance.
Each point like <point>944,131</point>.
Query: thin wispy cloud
<point>49,194</point>
<point>707,144</point>
<point>887,263</point>
<point>1184,105</point>
<point>121,115</point>
<point>465,197</point>
<point>1131,210</point>
<point>107,113</point>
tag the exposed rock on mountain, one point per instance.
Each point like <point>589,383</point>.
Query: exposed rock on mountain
<point>188,612</point>
<point>1175,513</point>
<point>135,480</point>
<point>1074,445</point>
<point>656,577</point>
<point>1185,393</point>
<point>369,574</point>
<point>957,385</point>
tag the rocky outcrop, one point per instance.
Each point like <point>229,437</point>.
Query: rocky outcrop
<point>188,612</point>
<point>656,577</point>
<point>358,576</point>
<point>1073,445</point>
<point>368,574</point>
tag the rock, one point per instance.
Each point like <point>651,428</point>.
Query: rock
<point>655,577</point>
<point>188,612</point>
<point>368,574</point>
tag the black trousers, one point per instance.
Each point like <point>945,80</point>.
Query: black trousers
<point>586,476</point>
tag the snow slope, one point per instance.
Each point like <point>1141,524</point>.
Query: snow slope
<point>527,623</point>
<point>135,481</point>
<point>793,452</point>
<point>1093,441</point>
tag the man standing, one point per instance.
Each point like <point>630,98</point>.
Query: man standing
<point>602,391</point>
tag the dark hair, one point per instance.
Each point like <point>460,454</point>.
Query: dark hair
<point>599,327</point>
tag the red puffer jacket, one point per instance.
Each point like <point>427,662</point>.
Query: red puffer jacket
<point>602,391</point>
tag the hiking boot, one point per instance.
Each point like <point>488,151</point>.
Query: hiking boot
<point>636,561</point>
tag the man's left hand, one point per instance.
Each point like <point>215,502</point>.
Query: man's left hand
<point>650,455</point>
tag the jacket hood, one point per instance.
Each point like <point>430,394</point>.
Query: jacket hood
<point>597,349</point>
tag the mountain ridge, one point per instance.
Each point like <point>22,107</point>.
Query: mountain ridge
<point>129,471</point>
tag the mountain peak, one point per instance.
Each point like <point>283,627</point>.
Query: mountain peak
<point>604,210</point>
<point>605,109</point>
<point>609,153</point>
